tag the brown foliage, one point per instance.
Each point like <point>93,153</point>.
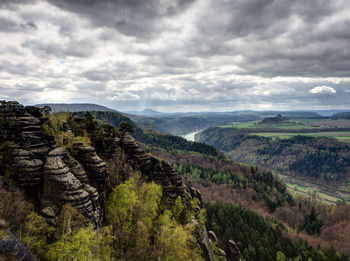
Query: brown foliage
<point>119,168</point>
<point>15,208</point>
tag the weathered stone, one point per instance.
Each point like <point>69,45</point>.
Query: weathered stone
<point>212,236</point>
<point>154,169</point>
<point>48,212</point>
<point>26,141</point>
<point>12,247</point>
<point>95,167</point>
<point>61,187</point>
<point>196,193</point>
<point>220,252</point>
<point>233,252</point>
<point>42,165</point>
<point>79,176</point>
<point>172,184</point>
<point>201,235</point>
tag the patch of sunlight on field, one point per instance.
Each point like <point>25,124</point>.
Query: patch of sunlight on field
<point>341,136</point>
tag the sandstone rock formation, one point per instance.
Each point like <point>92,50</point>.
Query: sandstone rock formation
<point>154,169</point>
<point>25,140</point>
<point>11,247</point>
<point>212,236</point>
<point>77,174</point>
<point>203,240</point>
<point>233,252</point>
<point>61,186</point>
<point>49,170</point>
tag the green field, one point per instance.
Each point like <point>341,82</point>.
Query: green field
<point>343,136</point>
<point>314,191</point>
<point>293,124</point>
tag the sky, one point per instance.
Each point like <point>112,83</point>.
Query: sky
<point>177,55</point>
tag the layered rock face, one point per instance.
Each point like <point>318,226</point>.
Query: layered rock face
<point>154,169</point>
<point>20,127</point>
<point>68,185</point>
<point>42,166</point>
<point>77,175</point>
<point>164,174</point>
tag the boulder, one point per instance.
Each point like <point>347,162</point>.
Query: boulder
<point>10,246</point>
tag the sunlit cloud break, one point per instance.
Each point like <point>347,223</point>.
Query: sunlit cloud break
<point>323,90</point>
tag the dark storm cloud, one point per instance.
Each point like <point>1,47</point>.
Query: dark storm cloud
<point>130,17</point>
<point>190,54</point>
<point>30,25</point>
<point>279,37</point>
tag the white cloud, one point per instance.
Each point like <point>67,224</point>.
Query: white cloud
<point>190,59</point>
<point>323,90</point>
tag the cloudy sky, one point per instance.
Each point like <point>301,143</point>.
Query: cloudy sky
<point>177,55</point>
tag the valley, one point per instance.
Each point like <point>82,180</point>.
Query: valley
<point>174,130</point>
<point>242,186</point>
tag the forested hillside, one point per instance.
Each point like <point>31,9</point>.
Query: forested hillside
<point>148,220</point>
<point>317,157</point>
<point>261,239</point>
<point>221,180</point>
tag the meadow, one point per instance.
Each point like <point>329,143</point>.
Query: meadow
<point>343,136</point>
<point>313,128</point>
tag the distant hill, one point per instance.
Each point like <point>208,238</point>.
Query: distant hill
<point>183,123</point>
<point>327,113</point>
<point>150,113</point>
<point>272,120</point>
<point>75,107</point>
<point>320,158</point>
<point>341,115</point>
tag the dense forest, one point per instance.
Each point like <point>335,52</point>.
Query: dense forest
<point>321,157</point>
<point>260,238</point>
<point>306,218</point>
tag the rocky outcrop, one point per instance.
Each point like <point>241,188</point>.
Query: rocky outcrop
<point>95,167</point>
<point>233,252</point>
<point>135,152</point>
<point>25,141</point>
<point>52,172</point>
<point>61,186</point>
<point>196,193</point>
<point>76,174</point>
<point>203,241</point>
<point>154,169</point>
<point>11,247</point>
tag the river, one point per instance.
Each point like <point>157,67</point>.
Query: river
<point>190,136</point>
